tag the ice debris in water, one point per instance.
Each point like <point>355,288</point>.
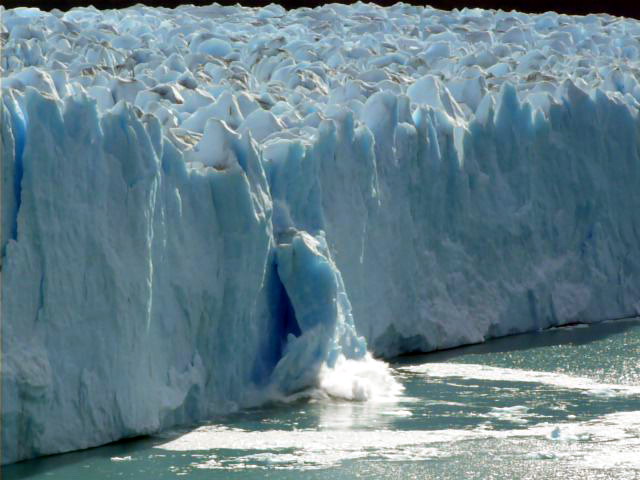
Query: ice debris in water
<point>208,207</point>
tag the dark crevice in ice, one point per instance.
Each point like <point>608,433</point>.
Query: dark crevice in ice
<point>19,129</point>
<point>283,322</point>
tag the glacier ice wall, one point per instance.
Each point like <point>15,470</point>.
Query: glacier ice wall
<point>528,222</point>
<point>138,294</point>
<point>194,222</point>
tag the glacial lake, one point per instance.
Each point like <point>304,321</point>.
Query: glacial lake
<point>564,403</point>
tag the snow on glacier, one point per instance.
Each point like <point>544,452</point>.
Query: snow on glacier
<point>209,207</point>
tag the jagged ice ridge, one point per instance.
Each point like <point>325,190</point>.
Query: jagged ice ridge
<point>211,207</point>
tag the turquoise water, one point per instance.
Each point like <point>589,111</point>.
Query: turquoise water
<point>564,403</point>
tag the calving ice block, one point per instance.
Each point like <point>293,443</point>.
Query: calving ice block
<point>208,208</point>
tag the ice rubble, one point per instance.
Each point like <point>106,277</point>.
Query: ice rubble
<point>204,208</point>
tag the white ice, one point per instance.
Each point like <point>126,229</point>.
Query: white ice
<point>446,177</point>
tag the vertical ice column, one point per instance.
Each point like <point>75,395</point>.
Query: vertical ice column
<point>322,311</point>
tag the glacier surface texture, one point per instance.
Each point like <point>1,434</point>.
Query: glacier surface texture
<point>210,207</point>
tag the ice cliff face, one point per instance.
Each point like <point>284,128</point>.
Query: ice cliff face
<point>138,294</point>
<point>207,208</point>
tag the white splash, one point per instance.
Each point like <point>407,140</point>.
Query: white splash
<point>360,380</point>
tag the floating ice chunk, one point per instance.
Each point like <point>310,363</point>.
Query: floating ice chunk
<point>516,414</point>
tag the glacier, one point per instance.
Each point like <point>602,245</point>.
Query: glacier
<point>208,208</point>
